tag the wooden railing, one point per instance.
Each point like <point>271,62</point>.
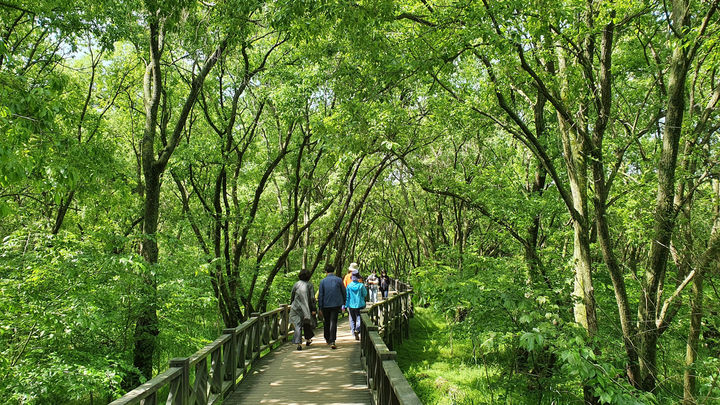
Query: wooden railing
<point>384,325</point>
<point>212,372</point>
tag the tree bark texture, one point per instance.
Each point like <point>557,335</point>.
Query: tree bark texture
<point>146,327</point>
<point>664,222</point>
<point>575,150</point>
<point>706,262</point>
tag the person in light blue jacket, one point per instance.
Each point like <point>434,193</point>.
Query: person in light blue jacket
<point>355,301</point>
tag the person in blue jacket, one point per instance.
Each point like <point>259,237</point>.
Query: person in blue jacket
<point>331,297</point>
<point>355,301</point>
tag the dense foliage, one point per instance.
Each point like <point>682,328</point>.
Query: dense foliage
<point>544,172</point>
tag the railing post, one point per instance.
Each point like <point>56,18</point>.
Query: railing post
<point>384,385</point>
<point>257,329</point>
<point>398,321</point>
<point>231,358</point>
<point>250,334</point>
<point>201,388</point>
<point>364,327</point>
<point>390,325</point>
<point>241,350</point>
<point>365,311</point>
<point>267,329</point>
<point>216,365</point>
<point>285,329</point>
<point>406,316</point>
<point>412,307</point>
<point>183,394</point>
<point>276,325</point>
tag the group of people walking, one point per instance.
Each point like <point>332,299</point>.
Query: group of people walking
<point>334,295</point>
<point>375,284</point>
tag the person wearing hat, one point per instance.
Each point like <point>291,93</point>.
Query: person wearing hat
<point>355,301</point>
<point>348,277</point>
<point>331,296</point>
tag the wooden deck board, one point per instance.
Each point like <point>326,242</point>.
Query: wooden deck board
<point>315,375</point>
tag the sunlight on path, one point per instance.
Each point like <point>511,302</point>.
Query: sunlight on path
<point>315,375</point>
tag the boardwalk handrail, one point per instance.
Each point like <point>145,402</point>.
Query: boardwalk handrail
<point>230,358</point>
<point>384,325</point>
<point>219,366</point>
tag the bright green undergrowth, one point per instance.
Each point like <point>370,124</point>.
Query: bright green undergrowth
<point>67,311</point>
<point>439,371</point>
<point>482,335</point>
<point>444,367</point>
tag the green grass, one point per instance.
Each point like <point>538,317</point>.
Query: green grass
<point>442,370</point>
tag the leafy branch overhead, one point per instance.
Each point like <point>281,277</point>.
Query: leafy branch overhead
<point>545,174</point>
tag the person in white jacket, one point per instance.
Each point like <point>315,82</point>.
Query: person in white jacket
<point>373,284</point>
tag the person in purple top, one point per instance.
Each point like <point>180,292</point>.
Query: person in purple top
<point>331,298</point>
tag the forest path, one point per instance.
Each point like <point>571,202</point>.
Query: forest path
<point>315,375</point>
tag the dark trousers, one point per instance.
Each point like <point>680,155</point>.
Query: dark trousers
<point>330,317</point>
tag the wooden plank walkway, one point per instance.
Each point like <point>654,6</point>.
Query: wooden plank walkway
<point>315,375</point>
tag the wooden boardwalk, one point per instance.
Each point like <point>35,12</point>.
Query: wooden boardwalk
<point>315,375</point>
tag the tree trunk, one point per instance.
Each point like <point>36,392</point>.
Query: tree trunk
<point>629,331</point>
<point>708,259</point>
<point>575,151</point>
<point>306,238</point>
<point>226,287</point>
<point>696,310</point>
<point>62,210</point>
<point>602,190</point>
<point>532,259</point>
<point>664,207</point>
<point>146,328</point>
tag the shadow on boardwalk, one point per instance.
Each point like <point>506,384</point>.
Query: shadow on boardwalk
<point>315,375</point>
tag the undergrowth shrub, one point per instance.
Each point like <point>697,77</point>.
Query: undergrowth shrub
<point>517,335</point>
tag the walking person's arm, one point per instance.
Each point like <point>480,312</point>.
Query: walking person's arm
<point>345,296</point>
<point>321,293</point>
<point>311,299</point>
